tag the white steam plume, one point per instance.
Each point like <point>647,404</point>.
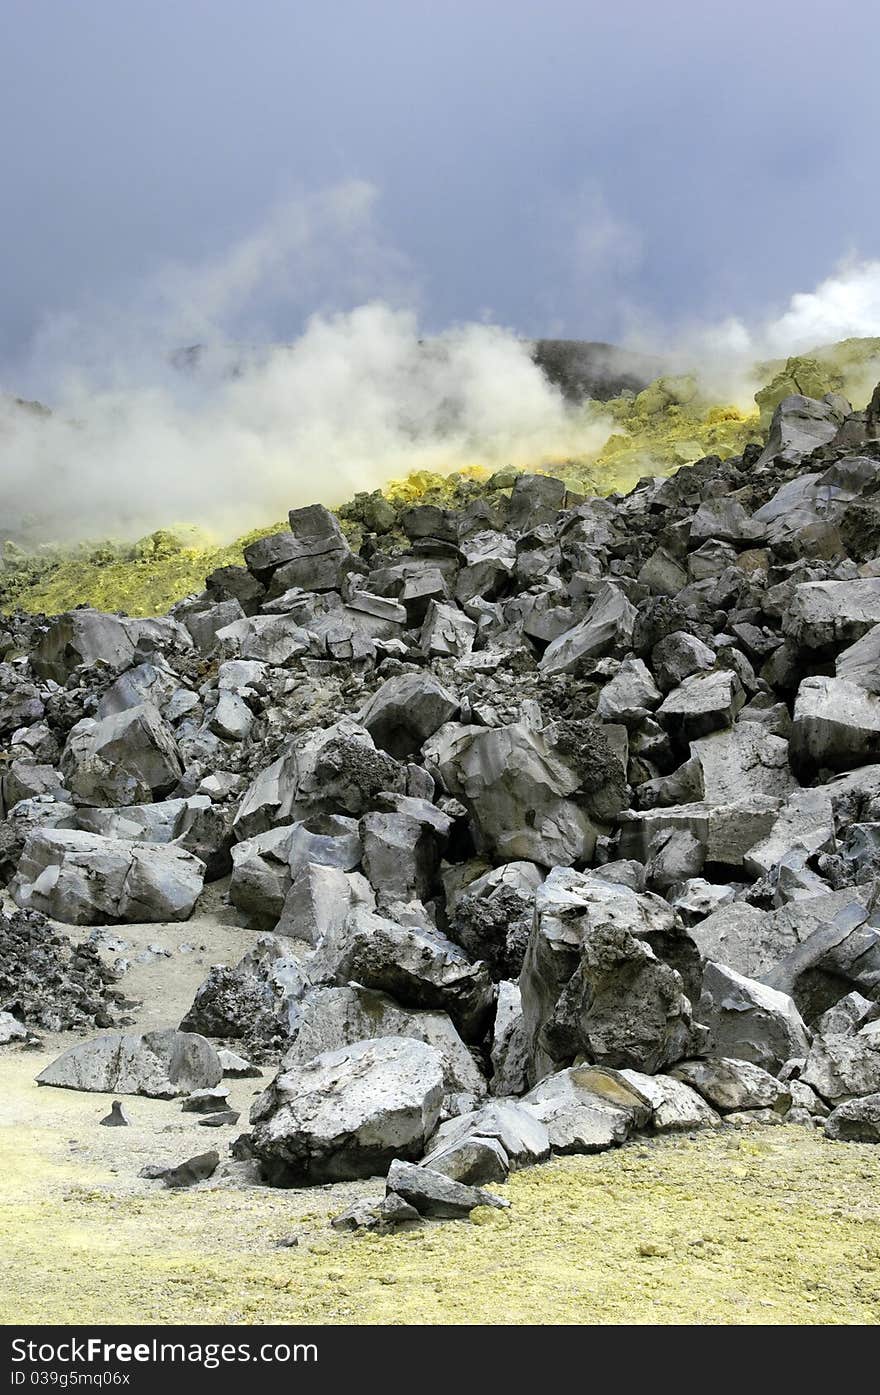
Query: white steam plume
<point>230,437</point>
<point>843,306</point>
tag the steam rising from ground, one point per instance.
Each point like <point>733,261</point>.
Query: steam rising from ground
<point>141,434</point>
<point>729,356</point>
<point>356,400</point>
<point>230,437</point>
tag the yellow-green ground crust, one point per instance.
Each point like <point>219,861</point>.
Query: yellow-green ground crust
<point>773,1226</point>
<point>669,424</point>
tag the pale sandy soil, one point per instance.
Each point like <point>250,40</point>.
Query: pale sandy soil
<point>769,1226</point>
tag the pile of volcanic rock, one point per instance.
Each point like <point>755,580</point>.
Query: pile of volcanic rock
<point>561,819</point>
<point>50,983</point>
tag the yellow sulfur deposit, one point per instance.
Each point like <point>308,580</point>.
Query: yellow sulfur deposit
<point>656,431</point>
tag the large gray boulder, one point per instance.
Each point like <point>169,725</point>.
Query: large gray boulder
<point>334,771</point>
<point>329,1018</point>
<point>608,625</point>
<point>730,1084</point>
<point>631,695</point>
<point>532,795</point>
<point>491,919</point>
<point>831,614</point>
<point>622,1007</point>
<point>406,710</point>
<point>257,1001</point>
<point>799,425</point>
<point>855,1121</point>
<point>161,1064</point>
<point>488,1143</point>
<point>748,1021</point>
<point>318,901</point>
<point>860,663</point>
<point>84,879</point>
<point>447,632</point>
<point>753,942</point>
<point>275,640</point>
<point>743,762</point>
<point>591,982</point>
<point>581,1119</point>
<point>349,1113</point>
<point>313,555</point>
<point>726,832</point>
<point>702,703</point>
<point>81,637</point>
<point>415,964</point>
<point>804,824</point>
<point>126,758</point>
<point>841,1067</point>
<point>148,682</point>
<point>836,726</point>
<point>403,843</point>
<point>675,1105</point>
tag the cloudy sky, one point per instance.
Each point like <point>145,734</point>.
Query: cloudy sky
<point>562,167</point>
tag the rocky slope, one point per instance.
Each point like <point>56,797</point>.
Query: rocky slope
<point>652,425</point>
<point>560,814</point>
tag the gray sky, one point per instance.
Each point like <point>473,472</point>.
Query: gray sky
<point>565,167</point>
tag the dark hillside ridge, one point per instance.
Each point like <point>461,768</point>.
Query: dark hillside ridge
<point>585,368</point>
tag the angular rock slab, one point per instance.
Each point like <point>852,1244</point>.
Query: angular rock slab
<point>436,1196</point>
<point>730,1084</point>
<point>749,1021</point>
<point>84,879</point>
<point>160,1064</point>
<point>349,1113</point>
<point>856,1121</point>
<point>836,725</point>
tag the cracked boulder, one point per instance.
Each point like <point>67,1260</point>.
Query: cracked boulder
<point>84,879</point>
<point>329,1018</point>
<point>580,1118</point>
<point>841,1067</point>
<point>334,771</point>
<point>129,757</point>
<point>532,795</point>
<point>608,625</point>
<point>855,1121</point>
<point>255,1002</point>
<point>836,726</point>
<point>313,555</point>
<point>436,1195</point>
<point>730,1084</point>
<point>415,964</point>
<point>488,1143</point>
<point>832,614</point>
<point>403,846</point>
<point>348,1113</point>
<point>701,704</point>
<point>492,918</point>
<point>748,1021</point>
<point>82,637</point>
<point>591,983</point>
<point>798,426</point>
<point>405,711</point>
<point>160,1064</point>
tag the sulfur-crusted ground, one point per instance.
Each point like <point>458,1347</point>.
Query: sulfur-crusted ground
<point>769,1226</point>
